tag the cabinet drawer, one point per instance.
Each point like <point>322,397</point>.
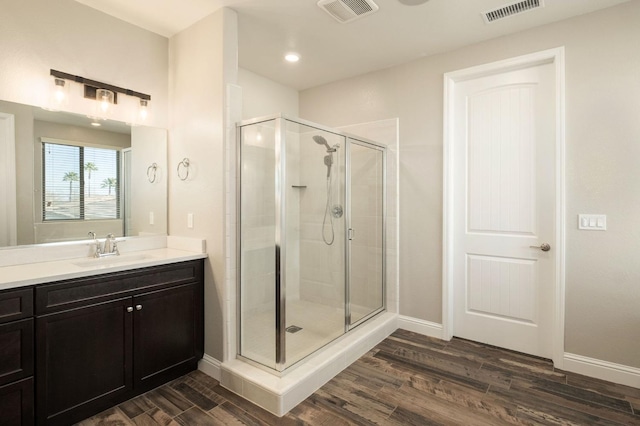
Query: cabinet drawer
<point>16,304</point>
<point>16,350</point>
<point>16,403</point>
<point>69,294</point>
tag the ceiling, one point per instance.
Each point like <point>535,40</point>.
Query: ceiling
<point>330,51</point>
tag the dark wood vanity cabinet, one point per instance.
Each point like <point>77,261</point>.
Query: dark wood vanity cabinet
<point>16,357</point>
<point>105,339</point>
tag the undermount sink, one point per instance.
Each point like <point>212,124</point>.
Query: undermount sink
<point>104,262</point>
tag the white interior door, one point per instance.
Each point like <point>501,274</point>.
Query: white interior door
<point>503,207</point>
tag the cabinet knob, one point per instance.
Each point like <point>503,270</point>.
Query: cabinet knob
<point>129,308</point>
<point>138,307</point>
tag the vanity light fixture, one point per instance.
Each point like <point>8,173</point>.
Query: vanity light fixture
<point>105,94</point>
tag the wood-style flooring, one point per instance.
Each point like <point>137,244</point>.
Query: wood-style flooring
<point>408,379</point>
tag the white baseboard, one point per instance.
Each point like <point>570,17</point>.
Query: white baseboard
<point>210,366</point>
<point>605,370</point>
<point>419,326</point>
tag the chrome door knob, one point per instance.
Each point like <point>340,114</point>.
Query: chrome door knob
<point>129,309</point>
<point>138,307</point>
<point>543,247</point>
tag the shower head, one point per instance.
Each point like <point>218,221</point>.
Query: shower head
<point>321,141</point>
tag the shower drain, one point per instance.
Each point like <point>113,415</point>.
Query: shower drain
<point>293,329</point>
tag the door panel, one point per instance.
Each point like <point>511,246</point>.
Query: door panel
<point>504,206</point>
<point>92,342</point>
<point>366,241</point>
<point>166,333</point>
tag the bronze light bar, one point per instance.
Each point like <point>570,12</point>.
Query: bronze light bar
<point>98,85</point>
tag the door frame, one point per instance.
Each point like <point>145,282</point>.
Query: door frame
<point>552,56</point>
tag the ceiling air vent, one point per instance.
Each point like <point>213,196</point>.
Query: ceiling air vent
<point>511,9</point>
<point>345,11</point>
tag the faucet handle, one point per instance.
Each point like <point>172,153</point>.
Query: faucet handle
<point>92,234</point>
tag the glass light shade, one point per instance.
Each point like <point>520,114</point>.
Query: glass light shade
<point>143,111</point>
<point>105,98</point>
<point>59,96</point>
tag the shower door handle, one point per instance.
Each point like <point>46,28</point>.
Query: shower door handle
<point>350,234</point>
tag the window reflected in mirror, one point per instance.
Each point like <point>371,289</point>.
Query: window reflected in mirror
<point>80,182</point>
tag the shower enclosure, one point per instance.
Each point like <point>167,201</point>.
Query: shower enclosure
<point>311,237</point>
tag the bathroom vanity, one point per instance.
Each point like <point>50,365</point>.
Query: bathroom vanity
<point>16,356</point>
<point>72,347</point>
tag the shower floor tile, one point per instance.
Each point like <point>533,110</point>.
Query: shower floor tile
<point>320,325</point>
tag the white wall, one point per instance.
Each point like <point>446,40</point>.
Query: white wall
<point>261,96</point>
<point>603,148</point>
<point>149,145</point>
<point>203,59</point>
<point>39,35</point>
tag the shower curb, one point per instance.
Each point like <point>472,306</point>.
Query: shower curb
<point>279,395</point>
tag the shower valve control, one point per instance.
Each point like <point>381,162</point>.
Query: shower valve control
<point>337,211</point>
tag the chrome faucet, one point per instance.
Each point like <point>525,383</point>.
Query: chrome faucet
<point>98,251</point>
<point>108,248</point>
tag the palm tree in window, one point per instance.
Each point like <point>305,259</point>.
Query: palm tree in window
<point>70,177</point>
<point>109,183</point>
<point>90,167</point>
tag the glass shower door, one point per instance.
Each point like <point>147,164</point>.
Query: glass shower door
<point>314,226</point>
<point>257,228</point>
<point>366,241</point>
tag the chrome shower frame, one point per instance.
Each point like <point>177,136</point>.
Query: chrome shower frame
<point>280,238</point>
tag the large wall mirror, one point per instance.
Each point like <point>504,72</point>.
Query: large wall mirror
<point>63,175</point>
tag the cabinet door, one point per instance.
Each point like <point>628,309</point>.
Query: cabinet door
<point>16,350</point>
<point>83,361</point>
<point>16,403</point>
<point>168,337</point>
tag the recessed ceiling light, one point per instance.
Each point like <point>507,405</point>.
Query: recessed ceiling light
<point>413,2</point>
<point>292,57</point>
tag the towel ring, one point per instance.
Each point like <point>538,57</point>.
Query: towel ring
<point>152,170</point>
<point>185,165</point>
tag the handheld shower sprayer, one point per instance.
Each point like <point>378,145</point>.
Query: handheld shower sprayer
<point>328,159</point>
<point>322,141</point>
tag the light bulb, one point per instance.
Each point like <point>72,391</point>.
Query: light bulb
<point>58,96</point>
<point>144,109</point>
<point>105,98</point>
<point>59,92</point>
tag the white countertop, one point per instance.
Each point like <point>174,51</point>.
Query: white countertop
<point>14,276</point>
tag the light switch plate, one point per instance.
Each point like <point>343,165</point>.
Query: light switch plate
<point>592,222</point>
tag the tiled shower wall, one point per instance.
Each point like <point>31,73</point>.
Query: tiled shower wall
<point>322,266</point>
<point>259,220</point>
